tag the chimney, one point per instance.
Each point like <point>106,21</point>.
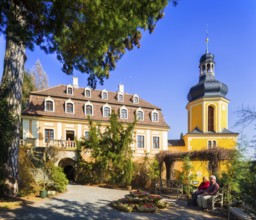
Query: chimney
<point>75,82</point>
<point>121,88</point>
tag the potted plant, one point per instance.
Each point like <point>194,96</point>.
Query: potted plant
<point>43,191</point>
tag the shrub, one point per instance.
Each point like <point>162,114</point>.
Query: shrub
<point>58,177</point>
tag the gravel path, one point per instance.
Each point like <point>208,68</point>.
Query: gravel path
<point>88,202</point>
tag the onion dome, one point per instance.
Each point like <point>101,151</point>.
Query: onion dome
<point>207,86</point>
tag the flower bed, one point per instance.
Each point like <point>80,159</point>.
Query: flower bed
<point>141,201</point>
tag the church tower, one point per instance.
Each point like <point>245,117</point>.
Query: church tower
<point>207,103</point>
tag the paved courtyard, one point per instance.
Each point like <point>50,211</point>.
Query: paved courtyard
<point>88,202</point>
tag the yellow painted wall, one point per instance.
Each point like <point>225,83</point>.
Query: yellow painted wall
<point>224,116</point>
<point>196,117</point>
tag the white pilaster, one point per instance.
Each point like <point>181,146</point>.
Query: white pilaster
<point>59,131</point>
<point>79,131</point>
<point>148,141</point>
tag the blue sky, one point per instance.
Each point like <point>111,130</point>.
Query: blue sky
<point>166,65</point>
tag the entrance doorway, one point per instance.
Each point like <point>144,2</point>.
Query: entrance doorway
<point>68,166</point>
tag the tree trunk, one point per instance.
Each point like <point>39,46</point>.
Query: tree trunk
<point>11,91</point>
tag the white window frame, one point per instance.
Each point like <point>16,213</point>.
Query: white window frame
<point>85,94</point>
<point>152,116</point>
<point>102,92</point>
<point>140,109</point>
<point>103,110</point>
<point>70,87</point>
<point>69,101</point>
<point>88,103</point>
<point>137,144</point>
<point>47,128</point>
<point>156,148</point>
<point>120,94</point>
<point>53,104</point>
<point>134,98</point>
<point>120,112</point>
<point>85,133</point>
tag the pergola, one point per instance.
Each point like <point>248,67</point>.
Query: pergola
<point>214,156</point>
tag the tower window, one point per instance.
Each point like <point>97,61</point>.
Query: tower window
<point>209,144</point>
<point>208,67</point>
<point>214,144</point>
<point>210,118</point>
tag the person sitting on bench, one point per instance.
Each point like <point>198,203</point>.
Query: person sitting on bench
<point>202,187</point>
<point>208,193</point>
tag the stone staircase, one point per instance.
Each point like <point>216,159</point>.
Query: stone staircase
<point>37,156</point>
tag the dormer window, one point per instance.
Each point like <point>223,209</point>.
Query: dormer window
<point>123,113</point>
<point>49,104</point>
<point>120,97</point>
<point>106,110</point>
<point>104,94</point>
<point>140,115</point>
<point>88,108</point>
<point>155,116</point>
<point>69,107</point>
<point>135,99</point>
<point>87,93</point>
<point>69,90</point>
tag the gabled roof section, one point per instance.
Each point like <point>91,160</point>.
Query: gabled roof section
<point>60,92</point>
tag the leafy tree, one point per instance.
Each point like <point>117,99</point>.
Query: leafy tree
<point>27,87</point>
<point>111,151</point>
<point>39,76</point>
<point>89,36</point>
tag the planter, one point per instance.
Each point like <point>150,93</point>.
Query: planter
<point>43,193</point>
<point>129,188</point>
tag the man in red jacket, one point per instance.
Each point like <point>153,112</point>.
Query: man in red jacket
<point>203,186</point>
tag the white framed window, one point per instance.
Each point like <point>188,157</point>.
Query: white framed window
<point>48,135</point>
<point>87,92</point>
<point>120,97</point>
<point>88,108</point>
<point>135,99</point>
<point>140,141</point>
<point>106,110</point>
<point>86,134</point>
<point>156,142</point>
<point>49,104</point>
<point>104,94</point>
<point>123,113</point>
<point>69,90</point>
<point>155,116</point>
<point>140,114</point>
<point>69,107</point>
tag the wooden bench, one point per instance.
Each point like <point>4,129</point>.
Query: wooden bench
<point>242,213</point>
<point>216,199</point>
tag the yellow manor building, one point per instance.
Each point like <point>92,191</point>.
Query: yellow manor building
<point>207,119</point>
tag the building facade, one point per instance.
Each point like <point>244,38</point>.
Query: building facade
<point>207,119</point>
<point>57,116</point>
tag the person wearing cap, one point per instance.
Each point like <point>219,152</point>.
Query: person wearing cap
<point>202,187</point>
<point>208,193</point>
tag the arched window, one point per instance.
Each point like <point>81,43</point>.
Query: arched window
<point>214,144</point>
<point>135,99</point>
<point>70,108</point>
<point>208,67</point>
<point>210,118</point>
<point>49,106</point>
<point>88,110</point>
<point>88,93</point>
<point>69,90</point>
<point>106,111</point>
<point>140,115</point>
<point>155,116</point>
<point>104,94</point>
<point>120,97</point>
<point>209,144</point>
<point>123,114</point>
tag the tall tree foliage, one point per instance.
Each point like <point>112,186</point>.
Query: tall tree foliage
<point>111,151</point>
<point>39,76</point>
<point>89,36</point>
<point>27,87</point>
